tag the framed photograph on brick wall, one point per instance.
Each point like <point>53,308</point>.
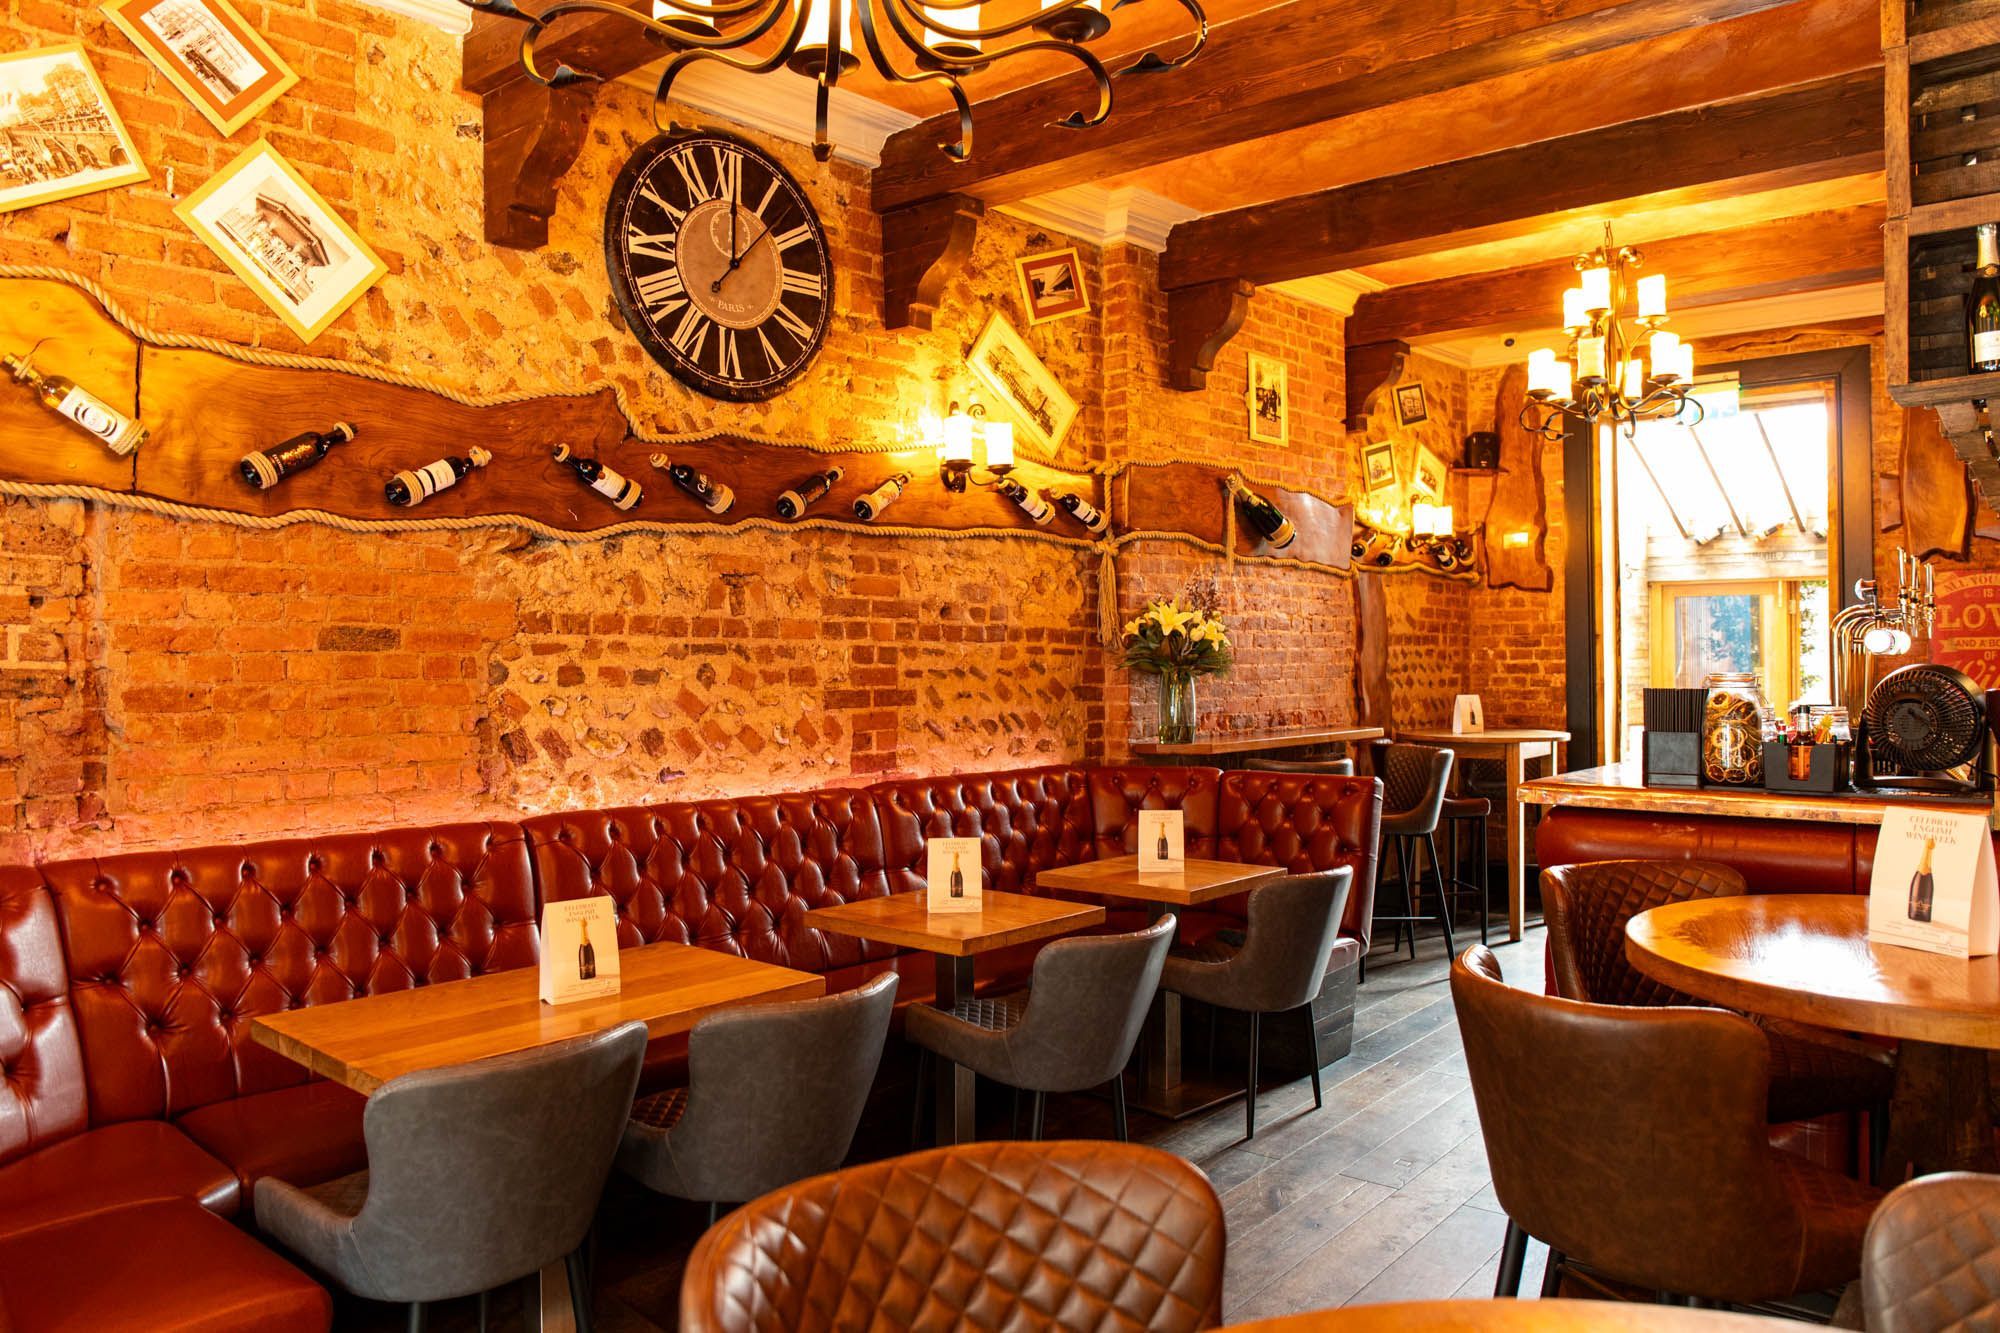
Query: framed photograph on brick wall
<point>1410,407</point>
<point>1052,286</point>
<point>1009,367</point>
<point>206,50</point>
<point>59,136</point>
<point>1269,399</point>
<point>1428,477</point>
<point>282,239</point>
<point>1378,468</point>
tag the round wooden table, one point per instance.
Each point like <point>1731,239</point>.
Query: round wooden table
<point>1807,958</point>
<point>1510,1316</point>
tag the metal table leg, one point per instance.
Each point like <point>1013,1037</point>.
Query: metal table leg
<point>955,1083</point>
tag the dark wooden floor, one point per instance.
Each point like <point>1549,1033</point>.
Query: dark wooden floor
<point>1380,1195</point>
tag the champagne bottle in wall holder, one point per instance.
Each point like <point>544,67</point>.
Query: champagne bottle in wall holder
<point>1033,505</point>
<point>86,411</point>
<point>1982,303</point>
<point>265,468</point>
<point>615,486</point>
<point>871,505</point>
<point>1080,509</point>
<point>710,495</point>
<point>807,493</point>
<point>1261,514</point>
<point>418,484</point>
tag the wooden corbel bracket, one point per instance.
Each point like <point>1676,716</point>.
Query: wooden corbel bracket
<point>923,245</point>
<point>1200,321</point>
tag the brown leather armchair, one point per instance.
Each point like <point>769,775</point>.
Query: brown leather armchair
<point>1587,907</point>
<point>988,1235</point>
<point>1632,1142</point>
<point>1932,1257</point>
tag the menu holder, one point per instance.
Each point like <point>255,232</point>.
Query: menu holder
<point>955,881</point>
<point>579,950</point>
<point>1468,718</point>
<point>1823,768</point>
<point>1933,886</point>
<point>1162,842</point>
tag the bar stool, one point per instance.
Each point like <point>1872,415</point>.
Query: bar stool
<point>1414,779</point>
<point>1473,811</point>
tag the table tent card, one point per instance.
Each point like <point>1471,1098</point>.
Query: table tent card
<point>953,879</point>
<point>579,950</point>
<point>1467,718</point>
<point>1933,886</point>
<point>1162,848</point>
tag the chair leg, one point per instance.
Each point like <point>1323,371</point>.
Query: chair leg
<point>923,1086</point>
<point>1312,1051</point>
<point>1118,1108</point>
<point>1513,1255</point>
<point>1250,1084</point>
<point>1444,899</point>
<point>714,1211</point>
<point>1035,1116</point>
<point>1483,874</point>
<point>579,1287</point>
<point>419,1317</point>
<point>1552,1275</point>
<point>485,1304</point>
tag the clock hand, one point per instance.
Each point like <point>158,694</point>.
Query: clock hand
<point>737,259</point>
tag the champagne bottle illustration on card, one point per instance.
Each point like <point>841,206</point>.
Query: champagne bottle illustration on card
<point>586,957</point>
<point>1162,851</point>
<point>1922,886</point>
<point>957,878</point>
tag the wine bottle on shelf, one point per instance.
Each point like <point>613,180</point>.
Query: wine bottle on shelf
<point>586,957</point>
<point>807,493</point>
<point>265,468</point>
<point>86,411</point>
<point>869,506</point>
<point>957,878</point>
<point>1271,524</point>
<point>1982,303</point>
<point>418,484</point>
<point>710,495</point>
<point>1922,886</point>
<point>1033,505</point>
<point>1080,509</point>
<point>615,486</point>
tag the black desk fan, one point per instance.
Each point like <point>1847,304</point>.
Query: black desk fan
<point>1925,729</point>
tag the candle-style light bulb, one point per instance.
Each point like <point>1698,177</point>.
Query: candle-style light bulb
<point>944,39</point>
<point>1542,372</point>
<point>957,438</point>
<point>1635,379</point>
<point>1665,350</point>
<point>999,445</point>
<point>1652,296</point>
<point>1575,317</point>
<point>1597,290</point>
<point>1589,359</point>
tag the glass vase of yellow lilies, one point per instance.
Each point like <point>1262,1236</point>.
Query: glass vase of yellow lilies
<point>1176,643</point>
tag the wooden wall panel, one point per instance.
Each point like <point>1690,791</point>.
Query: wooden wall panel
<point>1520,502</point>
<point>69,336</point>
<point>1937,496</point>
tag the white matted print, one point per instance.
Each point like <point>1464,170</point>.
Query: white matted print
<point>282,239</point>
<point>952,881</point>
<point>1009,367</point>
<point>208,52</point>
<point>1162,842</point>
<point>1933,886</point>
<point>59,136</point>
<point>579,950</point>
<point>1052,285</point>
<point>1429,476</point>
<point>1270,400</point>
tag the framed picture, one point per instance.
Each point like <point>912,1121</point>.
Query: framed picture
<point>282,239</point>
<point>1410,404</point>
<point>1269,400</point>
<point>1052,286</point>
<point>1009,367</point>
<point>1378,467</point>
<point>208,52</point>
<point>59,136</point>
<point>1429,478</point>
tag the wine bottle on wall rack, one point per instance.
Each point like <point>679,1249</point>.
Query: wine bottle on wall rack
<point>86,411</point>
<point>710,495</point>
<point>265,468</point>
<point>418,484</point>
<point>1081,510</point>
<point>1033,505</point>
<point>872,504</point>
<point>615,486</point>
<point>1982,303</point>
<point>1271,524</point>
<point>807,493</point>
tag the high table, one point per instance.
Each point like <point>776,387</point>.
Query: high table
<point>1515,748</point>
<point>1807,958</point>
<point>1233,746</point>
<point>1508,1316</point>
<point>1163,1091</point>
<point>954,940</point>
<point>363,1043</point>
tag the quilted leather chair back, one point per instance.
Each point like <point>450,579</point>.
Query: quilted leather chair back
<point>1031,820</point>
<point>41,1062</point>
<point>736,875</point>
<point>1059,1236</point>
<point>1118,794</point>
<point>171,953</point>
<point>1305,822</point>
<point>1931,1263</point>
<point>1588,906</point>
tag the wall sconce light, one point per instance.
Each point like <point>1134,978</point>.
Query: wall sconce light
<point>1429,520</point>
<point>962,424</point>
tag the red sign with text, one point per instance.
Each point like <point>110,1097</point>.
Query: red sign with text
<point>1968,625</point>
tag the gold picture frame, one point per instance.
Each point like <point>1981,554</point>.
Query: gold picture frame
<point>1378,468</point>
<point>1005,364</point>
<point>1052,285</point>
<point>1269,399</point>
<point>208,51</point>
<point>282,239</point>
<point>1427,478</point>
<point>41,165</point>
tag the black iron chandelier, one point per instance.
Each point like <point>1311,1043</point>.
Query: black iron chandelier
<point>932,43</point>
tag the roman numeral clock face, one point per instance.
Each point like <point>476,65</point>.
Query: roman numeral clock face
<point>719,264</point>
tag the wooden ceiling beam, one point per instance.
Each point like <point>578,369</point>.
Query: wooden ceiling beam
<point>1289,66</point>
<point>1814,131</point>
<point>601,44</point>
<point>1810,252</point>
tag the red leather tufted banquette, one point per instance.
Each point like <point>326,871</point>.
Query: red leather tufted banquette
<point>1117,795</point>
<point>1305,822</point>
<point>1031,820</point>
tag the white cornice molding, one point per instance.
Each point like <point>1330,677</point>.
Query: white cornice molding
<point>448,15</point>
<point>1333,291</point>
<point>1100,216</point>
<point>780,104</point>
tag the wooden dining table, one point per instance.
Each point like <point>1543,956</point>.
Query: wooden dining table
<point>365,1042</point>
<point>1512,1316</point>
<point>1807,958</point>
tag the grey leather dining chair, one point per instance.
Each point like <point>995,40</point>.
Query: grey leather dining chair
<point>1072,1029</point>
<point>1415,782</point>
<point>478,1174</point>
<point>775,1093</point>
<point>1293,931</point>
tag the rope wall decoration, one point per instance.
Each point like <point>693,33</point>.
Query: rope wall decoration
<point>207,403</point>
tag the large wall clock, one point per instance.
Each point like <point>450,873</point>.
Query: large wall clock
<point>719,264</point>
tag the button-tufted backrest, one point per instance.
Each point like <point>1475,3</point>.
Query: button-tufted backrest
<point>1031,820</point>
<point>171,953</point>
<point>1305,822</point>
<point>41,1063</point>
<point>1118,794</point>
<point>737,875</point>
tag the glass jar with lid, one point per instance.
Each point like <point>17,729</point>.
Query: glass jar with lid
<point>1735,723</point>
